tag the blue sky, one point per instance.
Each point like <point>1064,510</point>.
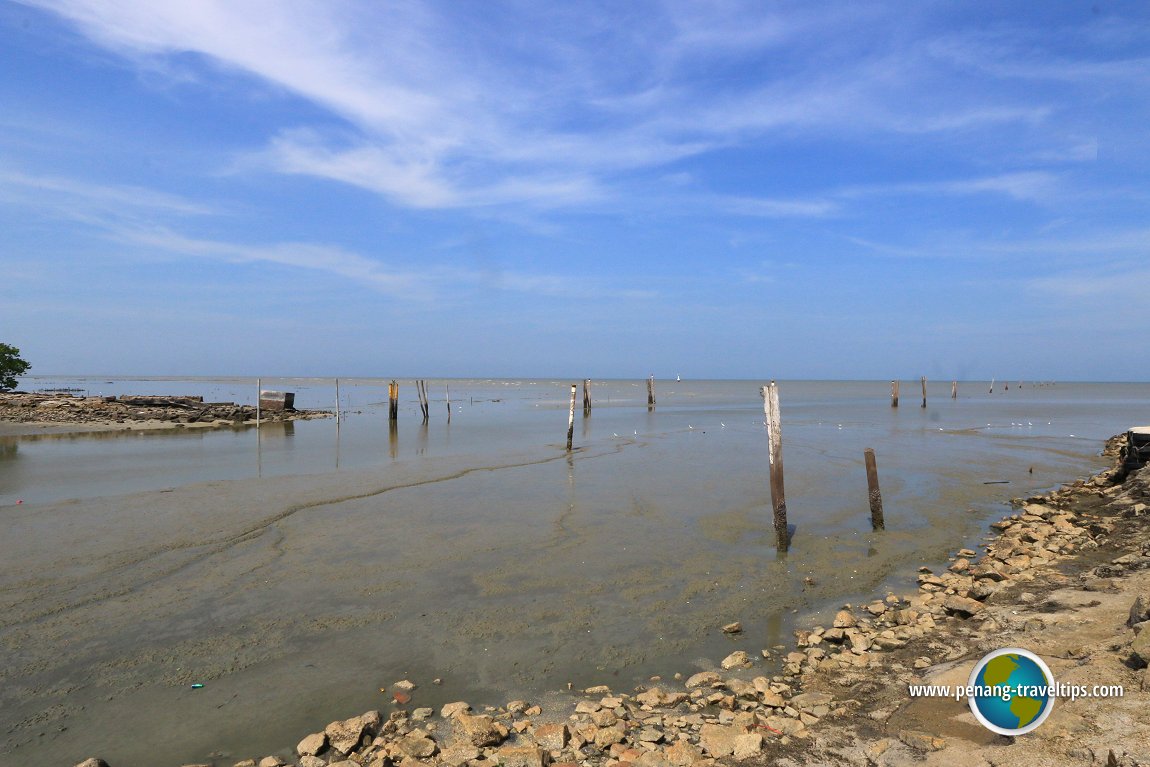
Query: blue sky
<point>721,189</point>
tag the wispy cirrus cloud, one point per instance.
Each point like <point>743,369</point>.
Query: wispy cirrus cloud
<point>433,107</point>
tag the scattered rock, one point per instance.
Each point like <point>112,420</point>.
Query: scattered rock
<point>921,741</point>
<point>451,709</point>
<point>312,745</point>
<point>737,659</point>
<point>480,730</point>
<point>733,628</point>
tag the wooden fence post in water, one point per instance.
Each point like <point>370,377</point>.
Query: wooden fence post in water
<point>651,393</point>
<point>954,389</point>
<point>337,402</point>
<point>775,442</point>
<point>421,389</point>
<point>259,391</point>
<point>924,391</point>
<point>586,397</point>
<point>447,393</point>
<point>393,402</point>
<point>874,494</point>
<point>571,418</point>
<point>894,393</point>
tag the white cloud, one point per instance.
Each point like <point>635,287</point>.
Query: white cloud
<point>445,112</point>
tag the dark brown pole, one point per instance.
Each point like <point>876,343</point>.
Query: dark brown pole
<point>447,393</point>
<point>875,495</point>
<point>924,391</point>
<point>393,402</point>
<point>894,393</point>
<point>651,393</point>
<point>586,397</point>
<point>954,389</point>
<point>571,418</point>
<point>775,441</point>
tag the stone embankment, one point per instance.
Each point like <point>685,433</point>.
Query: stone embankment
<point>1058,577</point>
<point>65,408</point>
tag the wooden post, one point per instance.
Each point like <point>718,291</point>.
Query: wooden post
<point>992,386</point>
<point>894,393</point>
<point>421,389</point>
<point>337,402</point>
<point>393,402</point>
<point>954,389</point>
<point>873,492</point>
<point>775,442</point>
<point>586,397</point>
<point>259,390</point>
<point>571,418</point>
<point>651,393</point>
<point>924,391</point>
<point>447,392</point>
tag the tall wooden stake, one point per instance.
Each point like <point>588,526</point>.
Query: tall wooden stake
<point>571,418</point>
<point>259,392</point>
<point>873,492</point>
<point>393,402</point>
<point>954,389</point>
<point>992,386</point>
<point>775,441</point>
<point>337,402</point>
<point>924,391</point>
<point>421,389</point>
<point>586,397</point>
<point>894,393</point>
<point>447,392</point>
<point>651,393</point>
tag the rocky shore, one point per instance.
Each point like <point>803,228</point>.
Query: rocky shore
<point>1065,576</point>
<point>125,412</point>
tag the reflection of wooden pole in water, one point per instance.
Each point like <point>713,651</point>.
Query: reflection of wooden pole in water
<point>873,492</point>
<point>954,389</point>
<point>924,391</point>
<point>571,417</point>
<point>393,438</point>
<point>775,441</point>
<point>651,393</point>
<point>894,393</point>
<point>393,402</point>
<point>586,397</point>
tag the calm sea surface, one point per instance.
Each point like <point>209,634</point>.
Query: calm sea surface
<point>295,570</point>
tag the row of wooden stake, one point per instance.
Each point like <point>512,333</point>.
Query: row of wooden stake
<point>894,392</point>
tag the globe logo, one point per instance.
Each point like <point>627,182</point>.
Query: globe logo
<point>1012,691</point>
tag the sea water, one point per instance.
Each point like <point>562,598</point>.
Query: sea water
<point>296,569</point>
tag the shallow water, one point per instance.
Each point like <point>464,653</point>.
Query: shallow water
<point>296,570</point>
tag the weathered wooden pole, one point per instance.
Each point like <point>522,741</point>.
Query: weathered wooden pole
<point>924,391</point>
<point>447,393</point>
<point>421,385</point>
<point>954,389</point>
<point>873,492</point>
<point>651,393</point>
<point>259,393</point>
<point>775,442</point>
<point>586,397</point>
<point>337,402</point>
<point>894,393</point>
<point>571,418</point>
<point>992,386</point>
<point>393,402</point>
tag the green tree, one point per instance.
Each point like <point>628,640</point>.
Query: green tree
<point>10,366</point>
